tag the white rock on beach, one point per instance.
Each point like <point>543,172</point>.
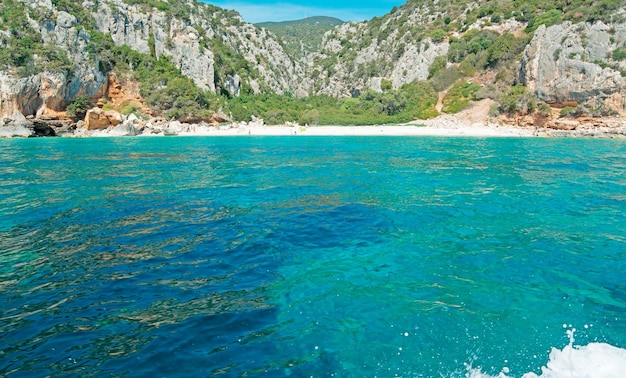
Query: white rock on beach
<point>125,129</point>
<point>15,130</point>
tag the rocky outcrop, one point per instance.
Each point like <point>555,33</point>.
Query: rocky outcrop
<point>15,126</point>
<point>352,59</point>
<point>187,43</point>
<point>58,90</point>
<point>186,39</point>
<point>124,129</point>
<point>15,131</point>
<point>45,92</point>
<point>573,63</point>
<point>233,85</point>
<point>97,119</point>
<point>39,94</point>
<point>157,32</point>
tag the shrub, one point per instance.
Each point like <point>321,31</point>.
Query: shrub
<point>386,85</point>
<point>516,100</point>
<point>131,108</point>
<point>78,107</point>
<point>439,64</point>
<point>619,54</point>
<point>459,96</point>
<point>309,117</point>
<point>276,117</point>
<point>486,92</point>
<point>505,48</point>
<point>494,110</point>
<point>549,18</point>
<point>544,109</point>
<point>476,42</point>
<point>437,35</point>
<point>568,111</point>
<point>445,78</point>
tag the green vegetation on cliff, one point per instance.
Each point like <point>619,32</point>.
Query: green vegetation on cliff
<point>301,37</point>
<point>21,47</point>
<point>166,90</point>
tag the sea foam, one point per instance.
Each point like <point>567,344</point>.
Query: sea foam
<point>593,360</point>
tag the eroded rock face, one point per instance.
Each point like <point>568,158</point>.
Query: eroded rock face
<point>98,119</point>
<point>169,36</point>
<point>15,131</point>
<point>181,40</point>
<point>18,95</point>
<point>149,31</point>
<point>396,57</point>
<point>233,85</point>
<point>573,63</point>
<point>38,94</point>
<point>16,126</point>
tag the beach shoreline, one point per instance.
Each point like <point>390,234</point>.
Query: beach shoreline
<point>413,129</point>
<point>437,127</point>
<point>472,122</point>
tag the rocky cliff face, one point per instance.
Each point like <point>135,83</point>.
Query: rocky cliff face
<point>187,41</point>
<point>357,56</point>
<point>155,32</point>
<point>46,91</point>
<point>574,63</point>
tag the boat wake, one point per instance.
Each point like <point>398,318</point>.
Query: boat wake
<point>592,360</point>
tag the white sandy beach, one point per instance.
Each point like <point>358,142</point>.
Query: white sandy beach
<point>471,122</point>
<point>476,130</point>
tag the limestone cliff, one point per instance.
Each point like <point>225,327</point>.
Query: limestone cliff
<point>357,56</point>
<point>151,31</point>
<point>45,91</point>
<point>575,64</point>
<point>187,35</point>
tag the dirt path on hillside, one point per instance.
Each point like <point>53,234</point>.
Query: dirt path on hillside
<point>439,105</point>
<point>478,112</point>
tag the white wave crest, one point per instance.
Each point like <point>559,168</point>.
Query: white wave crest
<point>595,360</point>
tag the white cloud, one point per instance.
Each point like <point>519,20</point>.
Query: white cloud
<point>281,12</point>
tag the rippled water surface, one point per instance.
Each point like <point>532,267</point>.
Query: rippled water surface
<point>307,256</point>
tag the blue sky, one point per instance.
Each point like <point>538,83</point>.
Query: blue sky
<point>282,10</point>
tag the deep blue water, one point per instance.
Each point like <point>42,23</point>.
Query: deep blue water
<point>298,256</point>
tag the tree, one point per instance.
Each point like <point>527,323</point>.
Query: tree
<point>78,108</point>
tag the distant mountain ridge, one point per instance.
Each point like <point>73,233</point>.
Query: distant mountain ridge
<point>302,37</point>
<point>315,20</point>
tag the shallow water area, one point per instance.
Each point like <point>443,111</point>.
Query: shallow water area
<point>310,256</point>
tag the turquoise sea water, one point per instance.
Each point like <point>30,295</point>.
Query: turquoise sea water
<point>296,256</point>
